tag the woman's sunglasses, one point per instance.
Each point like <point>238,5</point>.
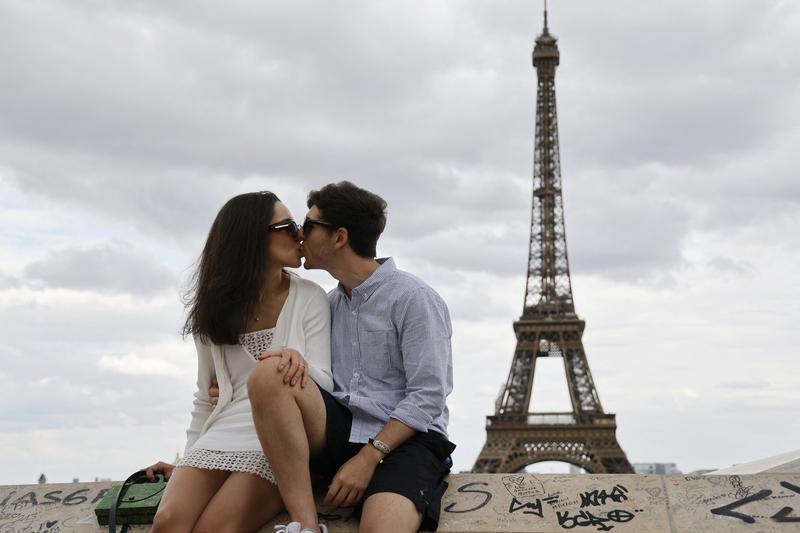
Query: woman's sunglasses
<point>286,225</point>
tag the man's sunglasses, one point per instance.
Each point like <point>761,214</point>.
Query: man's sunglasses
<point>286,225</point>
<point>310,223</point>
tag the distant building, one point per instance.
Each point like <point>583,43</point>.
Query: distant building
<point>661,469</point>
<point>42,479</point>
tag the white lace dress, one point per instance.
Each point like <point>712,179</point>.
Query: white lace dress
<point>250,461</point>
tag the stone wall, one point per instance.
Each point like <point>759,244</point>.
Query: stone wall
<point>545,503</point>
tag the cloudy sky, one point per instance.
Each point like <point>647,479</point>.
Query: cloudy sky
<point>124,126</point>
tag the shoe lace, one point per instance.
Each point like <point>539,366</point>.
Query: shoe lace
<point>281,528</point>
<point>322,529</point>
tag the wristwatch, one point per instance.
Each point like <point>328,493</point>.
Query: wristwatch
<point>380,446</point>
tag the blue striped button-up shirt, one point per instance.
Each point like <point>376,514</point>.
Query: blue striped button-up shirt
<point>390,353</point>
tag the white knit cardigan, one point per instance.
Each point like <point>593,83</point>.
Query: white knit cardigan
<point>304,324</point>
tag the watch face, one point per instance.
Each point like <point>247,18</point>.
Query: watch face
<point>380,446</point>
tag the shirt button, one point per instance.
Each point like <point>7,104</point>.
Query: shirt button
<point>355,343</point>
<point>356,374</point>
<point>355,313</point>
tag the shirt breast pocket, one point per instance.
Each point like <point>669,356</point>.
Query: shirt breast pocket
<point>375,353</point>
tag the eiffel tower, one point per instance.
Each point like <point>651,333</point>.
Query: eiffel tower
<point>549,327</point>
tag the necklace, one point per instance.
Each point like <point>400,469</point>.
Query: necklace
<point>261,297</point>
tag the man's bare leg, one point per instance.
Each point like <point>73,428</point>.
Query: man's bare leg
<point>391,513</point>
<point>290,422</point>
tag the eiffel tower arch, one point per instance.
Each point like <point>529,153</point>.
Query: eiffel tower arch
<point>549,326</point>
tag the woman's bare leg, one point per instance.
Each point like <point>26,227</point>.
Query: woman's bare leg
<point>290,422</point>
<point>187,494</point>
<point>244,503</point>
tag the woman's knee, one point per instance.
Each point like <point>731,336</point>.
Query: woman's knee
<point>216,524</point>
<point>220,521</point>
<point>265,380</point>
<point>169,520</point>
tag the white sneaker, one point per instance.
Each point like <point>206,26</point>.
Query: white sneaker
<point>291,527</point>
<point>322,529</point>
<point>294,527</point>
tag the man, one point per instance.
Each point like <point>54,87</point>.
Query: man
<point>382,434</point>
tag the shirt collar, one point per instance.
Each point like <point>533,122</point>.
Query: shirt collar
<point>368,286</point>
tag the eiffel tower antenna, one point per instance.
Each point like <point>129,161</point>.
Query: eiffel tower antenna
<point>515,435</point>
<point>545,16</point>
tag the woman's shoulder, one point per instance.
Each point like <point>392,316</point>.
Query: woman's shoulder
<point>307,289</point>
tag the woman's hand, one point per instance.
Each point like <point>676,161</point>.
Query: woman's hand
<point>213,392</point>
<point>162,467</point>
<point>292,364</point>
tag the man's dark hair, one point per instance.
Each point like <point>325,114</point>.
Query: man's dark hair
<point>360,212</point>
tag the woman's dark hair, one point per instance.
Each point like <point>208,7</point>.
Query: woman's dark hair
<point>360,212</point>
<point>226,286</point>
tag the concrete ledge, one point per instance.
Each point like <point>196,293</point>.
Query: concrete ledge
<point>784,463</point>
<point>483,503</point>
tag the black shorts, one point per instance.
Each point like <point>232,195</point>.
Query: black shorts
<point>416,469</point>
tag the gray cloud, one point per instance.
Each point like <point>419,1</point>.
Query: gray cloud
<point>623,232</point>
<point>8,282</point>
<point>107,268</point>
<point>725,265</point>
<point>745,384</point>
<point>160,126</point>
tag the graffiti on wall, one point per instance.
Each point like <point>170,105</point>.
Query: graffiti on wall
<point>48,510</point>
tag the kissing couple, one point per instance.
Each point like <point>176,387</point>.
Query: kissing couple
<point>349,386</point>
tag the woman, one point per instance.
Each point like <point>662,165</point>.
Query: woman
<point>242,304</point>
